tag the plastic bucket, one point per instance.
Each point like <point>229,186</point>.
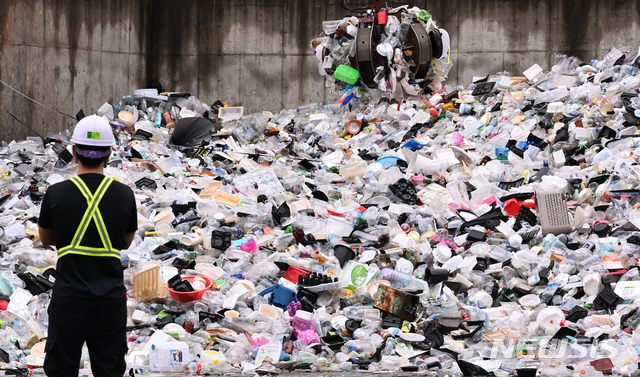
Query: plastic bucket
<point>191,296</point>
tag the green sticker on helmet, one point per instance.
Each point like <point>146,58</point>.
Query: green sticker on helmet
<point>93,135</point>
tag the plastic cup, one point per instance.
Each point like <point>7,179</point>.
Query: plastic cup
<point>206,207</point>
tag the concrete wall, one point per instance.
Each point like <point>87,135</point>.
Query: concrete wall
<point>73,54</point>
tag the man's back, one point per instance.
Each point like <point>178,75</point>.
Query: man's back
<point>81,279</point>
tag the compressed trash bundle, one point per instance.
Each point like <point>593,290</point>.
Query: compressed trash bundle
<point>398,52</point>
<point>486,229</point>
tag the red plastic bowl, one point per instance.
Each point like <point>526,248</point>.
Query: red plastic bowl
<point>191,296</point>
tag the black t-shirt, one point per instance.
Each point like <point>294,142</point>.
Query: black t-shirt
<point>81,279</point>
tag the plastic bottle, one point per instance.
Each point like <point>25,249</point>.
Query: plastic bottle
<point>389,347</point>
<point>361,347</point>
<point>404,29</point>
<point>399,280</point>
<point>236,232</point>
<point>195,368</point>
<point>355,312</point>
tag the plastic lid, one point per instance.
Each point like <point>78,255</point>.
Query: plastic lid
<point>441,253</point>
<point>602,229</point>
<point>164,228</point>
<point>338,321</point>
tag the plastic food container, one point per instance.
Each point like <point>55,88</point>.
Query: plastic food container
<point>347,74</point>
<point>229,113</point>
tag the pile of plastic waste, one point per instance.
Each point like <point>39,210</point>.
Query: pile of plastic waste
<point>492,228</point>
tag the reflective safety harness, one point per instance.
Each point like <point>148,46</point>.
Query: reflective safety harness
<point>92,213</point>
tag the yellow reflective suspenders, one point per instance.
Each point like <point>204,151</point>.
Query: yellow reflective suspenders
<point>91,214</point>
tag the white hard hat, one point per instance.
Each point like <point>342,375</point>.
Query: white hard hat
<point>93,131</point>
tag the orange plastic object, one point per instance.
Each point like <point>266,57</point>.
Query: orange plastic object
<point>210,189</point>
<point>226,198</point>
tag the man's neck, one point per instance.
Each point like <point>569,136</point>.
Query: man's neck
<point>86,170</point>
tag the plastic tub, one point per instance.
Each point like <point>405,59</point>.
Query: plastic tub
<point>164,228</point>
<point>271,311</point>
<point>356,170</point>
<point>127,118</point>
<point>191,296</point>
<point>380,201</point>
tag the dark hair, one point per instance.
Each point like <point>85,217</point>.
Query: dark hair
<point>91,162</point>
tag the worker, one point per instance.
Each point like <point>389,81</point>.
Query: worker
<point>89,218</point>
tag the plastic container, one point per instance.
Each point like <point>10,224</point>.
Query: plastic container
<point>165,216</point>
<point>207,269</point>
<point>191,296</point>
<point>206,207</point>
<point>169,357</point>
<point>169,164</point>
<point>338,226</point>
<point>347,74</point>
<point>230,113</point>
<point>293,273</point>
<point>127,118</point>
